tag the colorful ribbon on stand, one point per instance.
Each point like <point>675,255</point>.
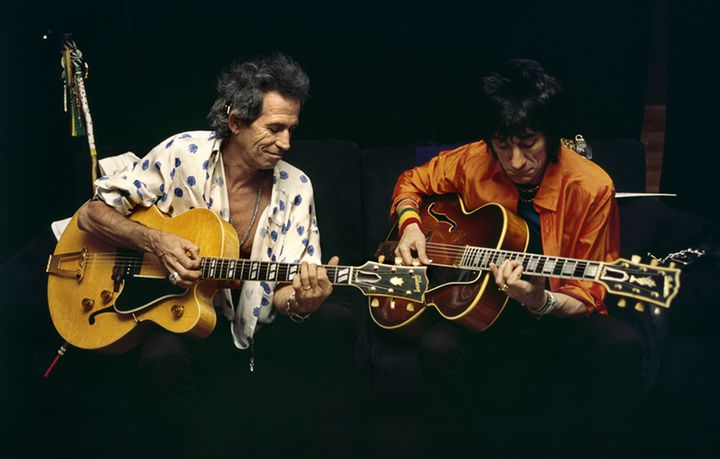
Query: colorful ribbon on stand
<point>74,74</point>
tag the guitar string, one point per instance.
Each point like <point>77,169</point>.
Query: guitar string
<point>109,258</point>
<point>456,250</point>
<point>449,251</point>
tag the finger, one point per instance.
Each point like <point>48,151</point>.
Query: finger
<point>334,261</point>
<point>312,275</point>
<point>297,281</point>
<point>404,252</point>
<point>515,275</point>
<point>422,253</point>
<point>497,274</point>
<point>304,277</point>
<point>192,251</point>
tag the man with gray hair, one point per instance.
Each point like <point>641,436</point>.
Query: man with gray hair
<point>237,171</point>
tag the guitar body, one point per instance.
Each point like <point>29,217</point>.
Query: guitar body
<point>104,298</point>
<point>469,297</point>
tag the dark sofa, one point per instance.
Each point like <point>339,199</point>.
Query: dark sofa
<point>353,188</point>
<point>352,193</point>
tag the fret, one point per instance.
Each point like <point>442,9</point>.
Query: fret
<point>231,269</point>
<point>271,271</point>
<point>549,265</point>
<point>591,270</point>
<point>342,275</point>
<point>211,272</point>
<point>579,269</point>
<point>486,258</point>
<point>475,259</point>
<point>292,270</point>
<point>254,267</point>
<point>568,267</point>
<point>532,264</point>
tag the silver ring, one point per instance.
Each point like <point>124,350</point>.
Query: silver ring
<point>503,288</point>
<point>174,277</point>
<point>308,287</point>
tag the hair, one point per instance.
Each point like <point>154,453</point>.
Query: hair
<point>518,97</point>
<point>243,85</point>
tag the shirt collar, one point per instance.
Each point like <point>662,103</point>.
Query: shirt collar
<point>549,191</point>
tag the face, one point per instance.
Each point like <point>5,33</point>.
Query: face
<point>523,159</point>
<point>263,142</point>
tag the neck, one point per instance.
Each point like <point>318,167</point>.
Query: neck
<point>237,171</point>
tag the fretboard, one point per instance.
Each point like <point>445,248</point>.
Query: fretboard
<point>533,264</point>
<point>252,270</point>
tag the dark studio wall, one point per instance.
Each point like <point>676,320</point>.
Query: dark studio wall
<point>382,72</point>
<point>692,151</point>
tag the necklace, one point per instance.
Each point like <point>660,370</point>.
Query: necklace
<point>255,211</point>
<point>527,195</point>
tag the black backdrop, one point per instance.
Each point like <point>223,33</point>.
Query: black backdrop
<point>382,72</point>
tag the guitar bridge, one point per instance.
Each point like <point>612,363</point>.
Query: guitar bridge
<point>56,262</point>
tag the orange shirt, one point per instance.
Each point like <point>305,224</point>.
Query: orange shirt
<point>576,203</point>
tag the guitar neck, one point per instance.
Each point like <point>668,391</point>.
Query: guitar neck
<point>252,270</point>
<point>371,278</point>
<point>533,264</point>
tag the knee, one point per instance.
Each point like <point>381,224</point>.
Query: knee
<point>163,357</point>
<point>337,324</point>
<point>439,348</point>
<point>615,341</point>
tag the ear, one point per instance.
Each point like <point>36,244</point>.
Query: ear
<point>234,123</point>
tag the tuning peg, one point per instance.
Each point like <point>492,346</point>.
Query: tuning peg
<point>392,303</point>
<point>654,262</point>
<point>672,264</point>
<point>398,260</point>
<point>657,311</point>
<point>375,303</point>
<point>635,258</point>
<point>639,306</point>
<point>621,303</point>
<point>381,259</point>
<point>410,307</point>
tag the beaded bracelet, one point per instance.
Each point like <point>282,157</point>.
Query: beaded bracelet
<point>294,316</point>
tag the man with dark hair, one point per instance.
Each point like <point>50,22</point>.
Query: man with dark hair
<point>238,172</point>
<point>569,206</point>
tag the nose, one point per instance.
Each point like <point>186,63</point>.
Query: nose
<point>517,160</point>
<point>283,140</point>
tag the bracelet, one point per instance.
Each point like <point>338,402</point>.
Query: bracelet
<point>294,316</point>
<point>551,303</point>
<point>408,221</point>
<point>413,201</point>
<point>406,209</point>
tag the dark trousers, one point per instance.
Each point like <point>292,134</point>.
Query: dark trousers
<point>297,401</point>
<point>528,386</point>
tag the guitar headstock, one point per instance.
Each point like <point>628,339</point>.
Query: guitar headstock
<point>647,283</point>
<point>379,279</point>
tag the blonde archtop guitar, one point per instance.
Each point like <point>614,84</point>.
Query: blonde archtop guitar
<point>105,298</point>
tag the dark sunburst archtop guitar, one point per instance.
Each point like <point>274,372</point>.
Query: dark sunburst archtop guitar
<point>462,244</point>
<point>105,298</point>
